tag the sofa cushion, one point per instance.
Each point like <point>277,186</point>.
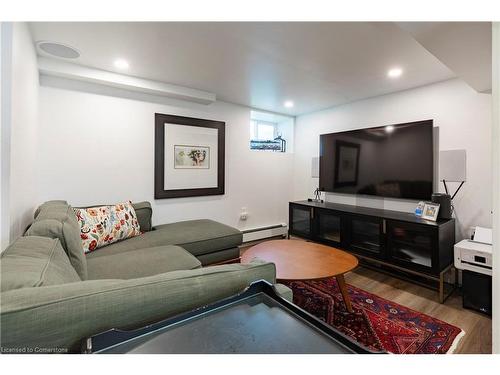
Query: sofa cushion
<point>196,236</point>
<point>144,214</point>
<point>219,256</point>
<point>58,220</point>
<point>104,225</point>
<point>202,236</point>
<point>141,263</point>
<point>35,261</point>
<point>54,202</point>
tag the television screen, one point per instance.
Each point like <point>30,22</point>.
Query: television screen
<point>388,161</point>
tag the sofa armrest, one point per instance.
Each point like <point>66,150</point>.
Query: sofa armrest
<point>59,317</point>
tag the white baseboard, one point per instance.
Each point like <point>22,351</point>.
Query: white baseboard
<point>256,234</point>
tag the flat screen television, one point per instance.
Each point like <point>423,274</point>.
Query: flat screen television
<point>388,161</point>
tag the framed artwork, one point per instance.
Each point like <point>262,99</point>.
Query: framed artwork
<point>189,156</point>
<point>346,163</point>
<point>431,211</point>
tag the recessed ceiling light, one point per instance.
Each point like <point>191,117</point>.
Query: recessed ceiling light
<point>389,128</point>
<point>121,64</point>
<point>394,72</point>
<point>288,104</point>
<point>58,49</point>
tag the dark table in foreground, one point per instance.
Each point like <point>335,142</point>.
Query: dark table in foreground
<point>256,321</point>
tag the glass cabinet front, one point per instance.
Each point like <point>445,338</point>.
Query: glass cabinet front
<point>410,244</point>
<point>329,226</point>
<point>365,236</point>
<point>301,220</point>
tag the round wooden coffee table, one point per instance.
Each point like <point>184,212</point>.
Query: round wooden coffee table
<point>301,260</point>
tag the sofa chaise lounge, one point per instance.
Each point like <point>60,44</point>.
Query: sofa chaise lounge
<point>53,295</point>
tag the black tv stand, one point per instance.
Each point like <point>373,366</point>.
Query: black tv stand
<point>390,241</point>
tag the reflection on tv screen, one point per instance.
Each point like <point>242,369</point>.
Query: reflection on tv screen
<point>388,161</point>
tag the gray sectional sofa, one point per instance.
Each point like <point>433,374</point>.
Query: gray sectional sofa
<point>53,295</point>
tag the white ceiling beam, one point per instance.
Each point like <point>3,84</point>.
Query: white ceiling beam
<point>57,68</point>
<point>464,47</point>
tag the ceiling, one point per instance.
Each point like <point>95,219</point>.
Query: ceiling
<point>260,65</point>
<point>465,47</point>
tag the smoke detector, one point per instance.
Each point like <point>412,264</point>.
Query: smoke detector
<point>57,49</point>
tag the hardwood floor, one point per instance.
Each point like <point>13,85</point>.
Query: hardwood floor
<point>477,326</point>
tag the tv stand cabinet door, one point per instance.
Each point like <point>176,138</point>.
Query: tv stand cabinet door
<point>301,221</point>
<point>365,235</point>
<point>413,246</point>
<point>329,227</point>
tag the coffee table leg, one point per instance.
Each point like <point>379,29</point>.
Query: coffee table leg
<point>345,294</point>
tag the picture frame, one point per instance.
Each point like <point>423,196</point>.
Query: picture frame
<point>419,209</point>
<point>431,211</point>
<point>346,163</point>
<point>189,157</point>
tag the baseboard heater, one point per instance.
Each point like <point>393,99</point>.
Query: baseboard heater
<point>255,234</point>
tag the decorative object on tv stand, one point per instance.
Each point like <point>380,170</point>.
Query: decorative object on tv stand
<point>452,168</point>
<point>315,174</point>
<point>189,156</point>
<point>419,210</point>
<point>444,202</point>
<point>431,211</point>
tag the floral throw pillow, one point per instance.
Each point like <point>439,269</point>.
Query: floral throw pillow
<point>104,225</point>
<point>124,221</point>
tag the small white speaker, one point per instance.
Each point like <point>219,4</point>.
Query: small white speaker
<point>452,165</point>
<point>315,167</point>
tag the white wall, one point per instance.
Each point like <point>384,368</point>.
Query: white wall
<point>496,186</point>
<point>19,134</point>
<point>97,146</point>
<point>5,110</point>
<point>24,132</point>
<point>464,120</point>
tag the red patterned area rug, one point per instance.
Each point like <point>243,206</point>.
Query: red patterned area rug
<point>376,323</point>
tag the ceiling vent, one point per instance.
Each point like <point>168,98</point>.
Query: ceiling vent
<point>58,50</point>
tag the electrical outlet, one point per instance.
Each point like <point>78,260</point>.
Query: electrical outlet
<point>243,213</point>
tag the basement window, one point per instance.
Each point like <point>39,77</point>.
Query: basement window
<point>269,132</point>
